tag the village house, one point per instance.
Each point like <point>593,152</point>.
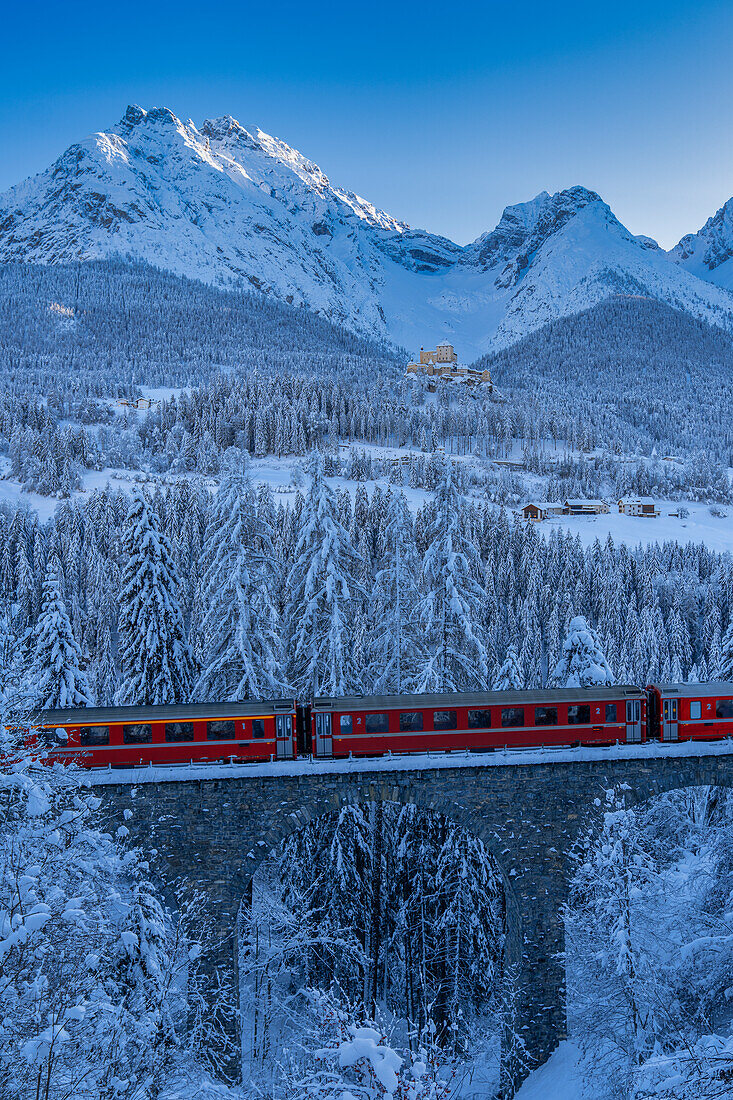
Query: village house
<point>586,507</point>
<point>637,506</point>
<point>139,403</point>
<point>539,511</point>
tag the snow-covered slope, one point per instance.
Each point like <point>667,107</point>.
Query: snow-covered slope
<point>709,252</point>
<point>224,204</point>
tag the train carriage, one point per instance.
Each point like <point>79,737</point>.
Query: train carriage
<point>691,712</point>
<point>176,734</point>
<point>364,726</point>
<point>374,725</point>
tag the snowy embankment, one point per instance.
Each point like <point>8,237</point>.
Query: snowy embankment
<point>558,1079</point>
<point>177,773</point>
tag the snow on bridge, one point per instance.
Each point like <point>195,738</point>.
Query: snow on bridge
<point>177,773</point>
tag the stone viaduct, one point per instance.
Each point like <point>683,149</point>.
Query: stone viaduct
<point>215,826</point>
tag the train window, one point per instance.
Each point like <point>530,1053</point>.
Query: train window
<point>220,731</point>
<point>724,708</point>
<point>179,731</point>
<point>479,719</point>
<point>411,720</point>
<point>137,735</point>
<point>696,709</point>
<point>611,712</point>
<point>579,715</point>
<point>376,723</point>
<point>545,716</point>
<point>347,725</point>
<point>512,716</point>
<point>258,727</point>
<point>445,719</point>
<point>94,735</point>
<point>59,736</point>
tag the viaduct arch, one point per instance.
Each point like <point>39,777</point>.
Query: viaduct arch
<point>215,826</point>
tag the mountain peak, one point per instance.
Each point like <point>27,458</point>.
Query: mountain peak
<point>524,227</point>
<point>709,252</point>
<point>230,205</point>
<point>136,116</point>
<point>226,127</point>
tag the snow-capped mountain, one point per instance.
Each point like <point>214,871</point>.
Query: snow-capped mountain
<point>225,204</point>
<point>709,252</point>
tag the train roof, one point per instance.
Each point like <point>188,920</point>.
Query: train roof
<point>697,691</point>
<point>181,712</point>
<point>474,698</point>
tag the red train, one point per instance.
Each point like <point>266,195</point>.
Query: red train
<point>282,729</point>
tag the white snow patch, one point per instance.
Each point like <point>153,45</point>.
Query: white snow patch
<point>558,1079</point>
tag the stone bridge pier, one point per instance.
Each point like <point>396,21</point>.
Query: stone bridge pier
<point>215,829</point>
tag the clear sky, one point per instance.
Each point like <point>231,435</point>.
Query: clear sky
<point>442,114</point>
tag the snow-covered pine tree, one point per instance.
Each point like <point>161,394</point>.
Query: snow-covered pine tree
<point>509,677</point>
<point>606,943</point>
<point>582,663</point>
<point>724,671</point>
<point>141,971</point>
<point>10,670</point>
<point>65,885</point>
<point>239,634</point>
<point>450,608</point>
<point>55,679</point>
<point>395,641</point>
<point>105,673</point>
<point>468,933</point>
<point>324,613</point>
<point>155,660</point>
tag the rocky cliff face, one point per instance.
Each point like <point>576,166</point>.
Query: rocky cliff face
<point>709,252</point>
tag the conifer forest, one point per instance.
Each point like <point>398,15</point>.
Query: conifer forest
<point>293,516</point>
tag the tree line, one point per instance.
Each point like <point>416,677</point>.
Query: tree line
<point>179,595</point>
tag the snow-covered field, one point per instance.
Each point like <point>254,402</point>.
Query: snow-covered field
<point>700,526</point>
<point>284,476</point>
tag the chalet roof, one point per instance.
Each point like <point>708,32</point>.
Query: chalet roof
<point>580,502</point>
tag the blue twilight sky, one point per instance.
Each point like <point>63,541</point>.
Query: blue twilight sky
<point>441,114</point>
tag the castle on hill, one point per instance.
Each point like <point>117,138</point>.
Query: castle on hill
<point>441,365</point>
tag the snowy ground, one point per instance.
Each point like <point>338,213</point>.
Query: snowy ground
<point>700,526</point>
<point>12,492</point>
<point>191,1083</point>
<point>285,475</point>
<point>558,1079</point>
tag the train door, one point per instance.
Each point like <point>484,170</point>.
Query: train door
<point>284,734</point>
<point>304,733</point>
<point>633,720</point>
<point>324,735</point>
<point>669,719</point>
